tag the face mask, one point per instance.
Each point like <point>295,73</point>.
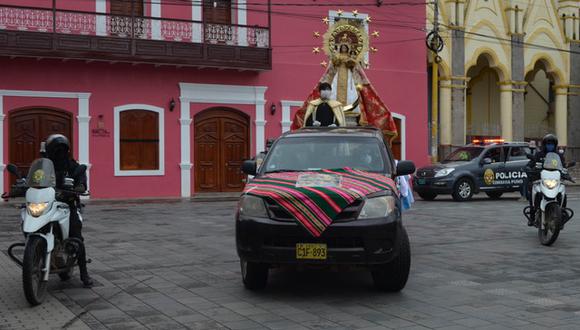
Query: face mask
<point>550,147</point>
<point>325,94</point>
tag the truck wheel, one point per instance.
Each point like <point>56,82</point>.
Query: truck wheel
<point>463,190</point>
<point>428,196</point>
<point>494,194</point>
<point>392,277</point>
<point>33,265</point>
<point>254,275</point>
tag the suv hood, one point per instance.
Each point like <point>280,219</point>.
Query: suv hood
<point>315,198</point>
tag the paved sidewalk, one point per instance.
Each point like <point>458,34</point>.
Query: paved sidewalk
<point>15,312</point>
<point>172,265</point>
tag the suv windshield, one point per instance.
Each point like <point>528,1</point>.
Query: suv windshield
<point>464,154</point>
<point>329,152</point>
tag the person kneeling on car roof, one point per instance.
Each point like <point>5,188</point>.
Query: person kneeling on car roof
<point>324,112</point>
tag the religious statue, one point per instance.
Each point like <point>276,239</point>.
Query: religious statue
<point>344,96</point>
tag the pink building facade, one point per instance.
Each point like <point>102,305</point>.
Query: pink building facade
<point>167,99</point>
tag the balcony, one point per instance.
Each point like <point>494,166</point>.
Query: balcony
<point>89,36</point>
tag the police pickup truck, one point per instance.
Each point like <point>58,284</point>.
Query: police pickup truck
<point>491,167</point>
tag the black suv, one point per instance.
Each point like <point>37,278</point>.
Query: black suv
<point>493,168</point>
<point>369,232</point>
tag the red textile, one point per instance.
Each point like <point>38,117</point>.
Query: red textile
<point>375,112</point>
<point>298,120</point>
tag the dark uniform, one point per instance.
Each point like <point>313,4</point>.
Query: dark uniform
<point>57,150</point>
<point>549,144</point>
<point>324,115</point>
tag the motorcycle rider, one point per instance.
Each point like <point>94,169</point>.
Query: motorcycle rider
<point>549,144</point>
<point>57,149</point>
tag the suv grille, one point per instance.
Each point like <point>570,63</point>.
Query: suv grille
<point>425,173</point>
<point>278,213</point>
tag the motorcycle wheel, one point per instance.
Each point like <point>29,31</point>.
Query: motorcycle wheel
<point>32,270</point>
<point>549,230</point>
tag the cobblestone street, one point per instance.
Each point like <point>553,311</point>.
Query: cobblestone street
<point>173,265</point>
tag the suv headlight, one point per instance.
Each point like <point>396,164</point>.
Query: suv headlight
<point>444,172</point>
<point>252,206</point>
<point>378,207</point>
<point>550,183</point>
<point>36,209</point>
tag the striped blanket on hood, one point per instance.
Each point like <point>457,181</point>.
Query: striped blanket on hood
<point>315,198</point>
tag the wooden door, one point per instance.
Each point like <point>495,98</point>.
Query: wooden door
<point>221,144</point>
<point>127,7</point>
<point>28,128</point>
<point>217,11</point>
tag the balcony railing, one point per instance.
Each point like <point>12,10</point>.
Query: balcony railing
<point>136,30</point>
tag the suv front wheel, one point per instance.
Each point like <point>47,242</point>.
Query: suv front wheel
<point>392,277</point>
<point>254,275</point>
<point>463,190</point>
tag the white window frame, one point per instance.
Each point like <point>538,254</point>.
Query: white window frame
<point>402,134</point>
<point>117,139</point>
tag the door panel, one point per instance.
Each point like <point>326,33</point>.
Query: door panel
<point>488,179</point>
<point>217,11</point>
<point>28,128</point>
<point>221,144</point>
<point>234,151</point>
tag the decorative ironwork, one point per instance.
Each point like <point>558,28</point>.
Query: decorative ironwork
<point>220,34</point>
<point>86,23</point>
<point>75,23</point>
<point>36,20</point>
<point>176,31</point>
<point>258,37</point>
<point>126,27</point>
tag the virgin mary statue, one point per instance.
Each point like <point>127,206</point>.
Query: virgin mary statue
<point>346,44</point>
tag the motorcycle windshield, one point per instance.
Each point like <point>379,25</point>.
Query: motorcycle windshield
<point>41,174</point>
<point>552,162</point>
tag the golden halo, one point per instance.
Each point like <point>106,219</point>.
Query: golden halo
<point>344,33</point>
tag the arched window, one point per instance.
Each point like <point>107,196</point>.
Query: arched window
<point>139,140</point>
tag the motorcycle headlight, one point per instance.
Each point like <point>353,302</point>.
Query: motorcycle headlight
<point>378,207</point>
<point>36,209</point>
<point>252,206</point>
<point>550,183</point>
<point>444,172</point>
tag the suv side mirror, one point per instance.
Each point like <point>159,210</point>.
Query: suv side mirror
<point>405,167</point>
<point>486,161</point>
<point>13,169</point>
<point>249,167</point>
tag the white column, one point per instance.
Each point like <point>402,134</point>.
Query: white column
<point>185,165</point>
<point>506,112</point>
<point>287,112</point>
<point>2,165</point>
<point>242,20</point>
<point>569,26</point>
<point>156,23</point>
<point>83,121</point>
<point>260,126</point>
<point>512,15</point>
<point>562,115</point>
<point>460,13</point>
<point>196,28</point>
<point>445,112</point>
<point>101,21</point>
<point>453,15</point>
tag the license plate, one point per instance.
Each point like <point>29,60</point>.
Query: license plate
<point>421,181</point>
<point>310,251</point>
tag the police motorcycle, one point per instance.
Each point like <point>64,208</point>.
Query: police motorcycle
<point>48,249</point>
<point>549,199</point>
